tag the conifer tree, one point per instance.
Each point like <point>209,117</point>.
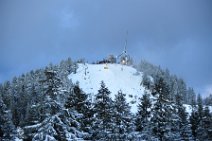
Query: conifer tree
<point>7,129</point>
<point>103,114</point>
<point>79,104</point>
<point>143,114</point>
<point>146,81</point>
<point>182,91</point>
<point>76,99</point>
<point>203,123</point>
<point>7,94</point>
<point>164,117</point>
<point>207,124</point>
<point>182,123</point>
<point>200,107</point>
<point>194,121</point>
<point>87,120</point>
<point>159,119</point>
<point>122,117</point>
<point>55,123</point>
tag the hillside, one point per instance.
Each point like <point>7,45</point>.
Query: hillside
<point>116,77</point>
<point>47,104</point>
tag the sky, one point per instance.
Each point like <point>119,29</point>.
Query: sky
<point>175,34</point>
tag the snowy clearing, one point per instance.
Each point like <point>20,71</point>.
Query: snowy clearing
<point>116,77</point>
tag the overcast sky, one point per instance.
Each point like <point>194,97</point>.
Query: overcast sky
<point>175,34</point>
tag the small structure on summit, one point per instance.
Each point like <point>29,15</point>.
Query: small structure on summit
<point>111,59</point>
<point>124,57</point>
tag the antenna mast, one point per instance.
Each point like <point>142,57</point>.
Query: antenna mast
<point>125,47</point>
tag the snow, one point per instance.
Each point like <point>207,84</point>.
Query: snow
<point>116,77</point>
<point>189,108</point>
<point>17,139</point>
<point>34,126</point>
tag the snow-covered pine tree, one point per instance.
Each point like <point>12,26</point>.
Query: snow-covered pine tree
<point>65,68</point>
<point>7,94</point>
<point>7,129</point>
<point>207,124</point>
<point>122,118</point>
<point>71,105</point>
<point>194,121</point>
<point>76,99</point>
<point>54,125</point>
<point>15,88</point>
<point>200,106</point>
<point>181,85</point>
<point>143,114</point>
<point>33,115</point>
<point>163,118</point>
<point>79,104</point>
<point>201,130</point>
<point>22,103</point>
<point>103,114</point>
<point>146,81</point>
<point>87,120</point>
<point>208,100</point>
<point>204,128</point>
<point>192,97</point>
<point>183,124</point>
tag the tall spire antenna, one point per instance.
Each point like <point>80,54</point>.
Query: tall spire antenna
<point>125,47</point>
<point>124,57</point>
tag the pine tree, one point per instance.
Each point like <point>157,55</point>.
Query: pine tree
<point>7,94</point>
<point>194,118</point>
<point>185,127</point>
<point>55,123</point>
<point>103,113</point>
<point>164,117</point>
<point>143,115</point>
<point>122,117</point>
<point>87,120</point>
<point>193,102</point>
<point>200,107</point>
<point>76,99</point>
<point>182,90</point>
<point>146,81</point>
<point>182,123</point>
<point>207,124</point>
<point>79,104</point>
<point>33,115</point>
<point>208,100</point>
<point>7,128</point>
<point>194,121</point>
<point>203,116</point>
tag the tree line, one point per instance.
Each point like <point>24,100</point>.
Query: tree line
<point>45,105</point>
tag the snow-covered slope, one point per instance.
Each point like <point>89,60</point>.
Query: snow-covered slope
<point>115,76</point>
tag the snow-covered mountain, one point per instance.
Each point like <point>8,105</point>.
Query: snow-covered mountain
<point>116,77</point>
<point>39,92</point>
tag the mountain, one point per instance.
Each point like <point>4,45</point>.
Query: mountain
<point>116,77</point>
<point>75,100</point>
